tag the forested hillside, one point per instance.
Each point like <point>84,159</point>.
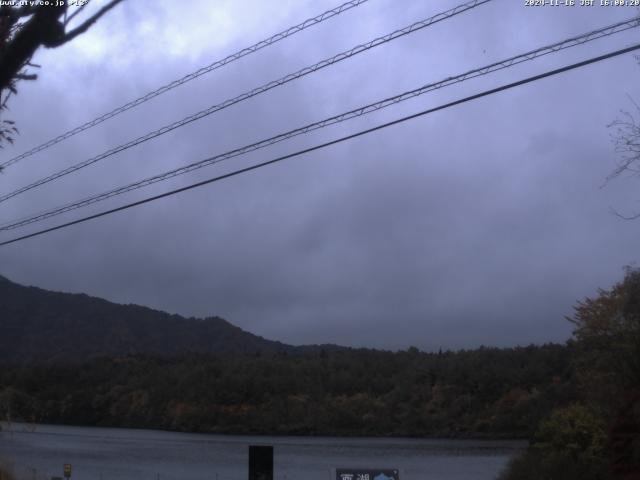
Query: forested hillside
<point>37,324</point>
<point>481,393</point>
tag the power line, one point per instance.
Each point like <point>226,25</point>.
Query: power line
<point>191,76</point>
<point>252,93</point>
<point>333,142</point>
<point>528,56</point>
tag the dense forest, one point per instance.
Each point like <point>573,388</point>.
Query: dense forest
<point>482,393</point>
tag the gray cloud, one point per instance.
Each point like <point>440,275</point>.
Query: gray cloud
<point>481,224</point>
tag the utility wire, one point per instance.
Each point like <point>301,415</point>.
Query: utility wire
<point>332,142</point>
<point>555,47</point>
<point>191,76</point>
<point>252,93</point>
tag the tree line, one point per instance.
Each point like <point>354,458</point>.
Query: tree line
<point>487,392</point>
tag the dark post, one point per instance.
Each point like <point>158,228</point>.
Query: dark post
<point>260,462</point>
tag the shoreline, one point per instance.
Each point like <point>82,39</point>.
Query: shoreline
<point>37,429</point>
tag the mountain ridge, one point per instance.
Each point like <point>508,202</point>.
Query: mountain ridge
<point>38,324</point>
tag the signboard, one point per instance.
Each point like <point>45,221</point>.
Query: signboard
<point>367,474</point>
<point>67,470</point>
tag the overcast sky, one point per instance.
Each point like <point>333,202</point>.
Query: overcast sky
<point>480,224</point>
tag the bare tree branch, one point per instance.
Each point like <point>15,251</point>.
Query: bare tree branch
<point>42,28</point>
<point>26,76</point>
<point>76,12</point>
<point>17,12</point>
<point>626,139</point>
<point>86,24</point>
<point>20,37</point>
<point>624,217</point>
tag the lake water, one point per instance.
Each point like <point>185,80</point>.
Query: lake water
<point>125,454</point>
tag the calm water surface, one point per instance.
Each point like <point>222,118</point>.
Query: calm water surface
<point>124,454</point>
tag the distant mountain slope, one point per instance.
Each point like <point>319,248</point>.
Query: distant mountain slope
<point>37,324</point>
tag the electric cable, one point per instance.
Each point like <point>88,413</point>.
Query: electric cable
<point>191,76</point>
<point>252,93</point>
<point>332,142</point>
<point>528,56</point>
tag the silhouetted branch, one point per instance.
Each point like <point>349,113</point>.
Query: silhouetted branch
<point>76,12</point>
<point>85,25</point>
<point>624,217</point>
<point>626,139</point>
<point>20,37</point>
<point>26,76</point>
<point>41,29</point>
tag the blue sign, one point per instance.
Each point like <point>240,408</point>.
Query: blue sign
<point>366,474</point>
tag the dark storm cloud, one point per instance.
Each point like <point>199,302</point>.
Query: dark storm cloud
<point>481,224</point>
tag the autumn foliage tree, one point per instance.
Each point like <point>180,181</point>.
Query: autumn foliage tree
<point>597,437</point>
<point>607,341</point>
